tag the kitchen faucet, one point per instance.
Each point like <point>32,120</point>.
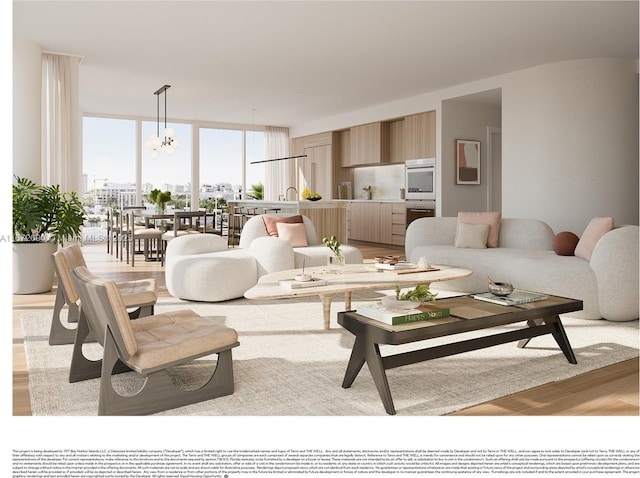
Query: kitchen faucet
<point>286,194</point>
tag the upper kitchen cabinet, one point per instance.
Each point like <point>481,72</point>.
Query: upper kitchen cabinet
<point>396,141</point>
<point>420,135</point>
<point>369,145</point>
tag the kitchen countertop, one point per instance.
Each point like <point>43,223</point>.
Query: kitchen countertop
<point>372,200</point>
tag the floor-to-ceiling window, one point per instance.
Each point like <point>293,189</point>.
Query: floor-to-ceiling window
<point>221,153</point>
<point>109,163</point>
<point>222,157</point>
<point>254,173</point>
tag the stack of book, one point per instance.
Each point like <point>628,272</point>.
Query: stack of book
<point>377,311</point>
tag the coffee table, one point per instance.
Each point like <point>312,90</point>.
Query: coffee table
<point>348,279</point>
<point>467,314</point>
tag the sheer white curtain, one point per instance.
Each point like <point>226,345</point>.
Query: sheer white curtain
<point>279,175</point>
<point>61,122</point>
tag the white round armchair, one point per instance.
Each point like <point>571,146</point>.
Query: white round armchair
<point>314,253</point>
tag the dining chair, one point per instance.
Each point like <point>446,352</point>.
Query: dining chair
<point>109,231</point>
<point>124,230</point>
<point>150,346</point>
<point>138,232</point>
<point>113,231</point>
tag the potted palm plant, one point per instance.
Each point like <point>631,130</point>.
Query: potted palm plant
<point>43,218</point>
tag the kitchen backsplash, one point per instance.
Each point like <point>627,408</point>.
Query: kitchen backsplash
<point>385,181</point>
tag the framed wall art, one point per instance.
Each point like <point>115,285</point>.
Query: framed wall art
<point>467,161</point>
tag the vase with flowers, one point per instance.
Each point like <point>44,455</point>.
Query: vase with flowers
<point>337,259</point>
<point>160,199</point>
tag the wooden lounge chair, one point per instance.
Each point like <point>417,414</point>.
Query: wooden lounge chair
<point>150,346</point>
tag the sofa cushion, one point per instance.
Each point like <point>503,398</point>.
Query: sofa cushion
<point>597,227</point>
<point>270,223</point>
<point>530,234</point>
<point>473,236</point>
<point>490,218</point>
<point>564,243</point>
<point>294,233</point>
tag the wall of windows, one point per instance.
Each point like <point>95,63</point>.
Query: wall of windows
<point>117,165</point>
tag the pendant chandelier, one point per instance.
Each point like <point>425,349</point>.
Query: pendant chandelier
<point>155,143</point>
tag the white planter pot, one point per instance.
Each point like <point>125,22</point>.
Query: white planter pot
<point>32,267</point>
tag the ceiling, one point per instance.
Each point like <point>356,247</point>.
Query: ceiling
<point>282,63</point>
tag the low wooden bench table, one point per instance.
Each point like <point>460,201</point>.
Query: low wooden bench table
<point>467,314</point>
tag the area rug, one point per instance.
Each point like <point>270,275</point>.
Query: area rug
<point>287,364</point>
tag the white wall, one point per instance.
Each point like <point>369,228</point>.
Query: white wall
<point>27,81</point>
<point>569,139</point>
<point>570,143</point>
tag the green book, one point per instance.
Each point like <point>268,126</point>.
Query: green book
<point>377,311</point>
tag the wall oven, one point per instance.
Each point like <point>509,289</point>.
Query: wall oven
<point>420,175</point>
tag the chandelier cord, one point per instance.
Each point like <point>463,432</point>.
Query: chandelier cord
<point>158,115</point>
<point>165,112</point>
<point>167,142</point>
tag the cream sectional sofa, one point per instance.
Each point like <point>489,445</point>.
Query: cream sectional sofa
<point>202,267</point>
<point>607,283</point>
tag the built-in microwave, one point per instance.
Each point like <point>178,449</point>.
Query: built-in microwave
<point>420,178</point>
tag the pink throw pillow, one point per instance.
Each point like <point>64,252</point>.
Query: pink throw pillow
<point>294,233</point>
<point>270,223</point>
<point>490,218</point>
<point>597,227</point>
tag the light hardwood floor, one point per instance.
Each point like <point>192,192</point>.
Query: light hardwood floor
<point>608,391</point>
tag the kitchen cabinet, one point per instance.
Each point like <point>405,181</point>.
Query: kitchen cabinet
<point>315,172</point>
<point>345,148</point>
<point>318,170</point>
<point>396,141</point>
<point>398,223</point>
<point>420,135</point>
<point>373,221</point>
<point>369,145</point>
